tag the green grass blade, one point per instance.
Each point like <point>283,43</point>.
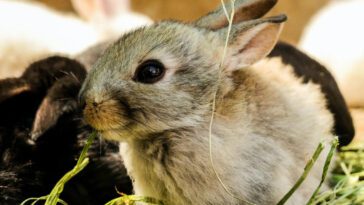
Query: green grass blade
<point>53,197</point>
<point>307,169</point>
<point>328,160</point>
<point>132,199</point>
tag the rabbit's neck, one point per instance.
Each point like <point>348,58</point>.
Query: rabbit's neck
<point>175,166</point>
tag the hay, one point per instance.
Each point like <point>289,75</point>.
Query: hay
<point>347,180</point>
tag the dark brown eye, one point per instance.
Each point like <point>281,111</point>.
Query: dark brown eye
<point>149,72</point>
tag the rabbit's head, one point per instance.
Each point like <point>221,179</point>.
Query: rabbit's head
<point>165,76</point>
<point>34,103</point>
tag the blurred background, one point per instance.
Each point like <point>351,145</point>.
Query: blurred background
<point>299,12</point>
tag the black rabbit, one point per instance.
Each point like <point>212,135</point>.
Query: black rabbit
<point>42,134</point>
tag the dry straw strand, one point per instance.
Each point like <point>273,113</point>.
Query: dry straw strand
<point>230,18</point>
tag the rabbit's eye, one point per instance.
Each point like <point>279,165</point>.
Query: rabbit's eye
<point>150,71</point>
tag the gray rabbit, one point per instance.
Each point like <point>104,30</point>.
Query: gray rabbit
<point>153,90</point>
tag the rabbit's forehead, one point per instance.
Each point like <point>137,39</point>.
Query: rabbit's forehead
<point>174,44</point>
<point>165,37</point>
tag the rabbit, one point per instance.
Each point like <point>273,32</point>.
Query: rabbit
<point>52,32</point>
<point>110,17</point>
<point>301,64</point>
<point>313,72</point>
<point>153,91</point>
<point>42,134</point>
<point>334,38</point>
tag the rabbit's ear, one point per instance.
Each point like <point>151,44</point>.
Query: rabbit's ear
<point>60,100</point>
<point>251,41</point>
<point>99,10</point>
<point>12,87</point>
<point>243,10</point>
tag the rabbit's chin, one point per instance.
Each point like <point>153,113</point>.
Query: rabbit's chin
<point>128,132</point>
<point>115,134</point>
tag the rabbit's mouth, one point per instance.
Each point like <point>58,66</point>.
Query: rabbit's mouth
<point>110,118</point>
<point>105,115</point>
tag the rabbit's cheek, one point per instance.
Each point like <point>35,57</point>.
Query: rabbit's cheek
<point>104,115</point>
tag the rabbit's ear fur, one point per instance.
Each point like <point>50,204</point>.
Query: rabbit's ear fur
<point>60,100</point>
<point>243,10</point>
<point>100,9</point>
<point>12,87</point>
<point>251,41</point>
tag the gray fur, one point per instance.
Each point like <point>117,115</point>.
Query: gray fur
<point>90,56</point>
<point>267,122</point>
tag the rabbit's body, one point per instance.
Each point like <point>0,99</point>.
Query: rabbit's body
<point>310,71</point>
<point>267,121</point>
<point>339,45</point>
<point>262,124</point>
